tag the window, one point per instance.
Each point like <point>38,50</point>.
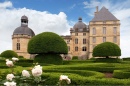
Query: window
<point>84,34</point>
<point>68,41</point>
<point>104,39</point>
<point>18,46</point>
<point>115,39</point>
<point>76,34</point>
<point>94,31</point>
<point>84,41</point>
<point>84,48</point>
<point>104,30</point>
<point>68,48</point>
<point>94,39</point>
<point>76,48</point>
<point>76,41</point>
<point>114,30</point>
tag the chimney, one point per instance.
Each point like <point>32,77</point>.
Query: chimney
<point>96,10</point>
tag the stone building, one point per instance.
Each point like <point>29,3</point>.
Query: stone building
<point>82,39</point>
<point>21,37</point>
<point>104,27</point>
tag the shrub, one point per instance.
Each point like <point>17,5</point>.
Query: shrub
<point>47,42</point>
<point>75,58</point>
<point>48,59</point>
<point>106,49</point>
<point>9,54</point>
<point>121,74</point>
<point>20,57</point>
<point>108,60</point>
<point>25,62</point>
<point>126,59</point>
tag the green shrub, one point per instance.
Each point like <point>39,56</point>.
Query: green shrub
<point>24,62</point>
<point>20,57</point>
<point>48,59</point>
<point>9,54</point>
<point>121,74</point>
<point>75,58</point>
<point>108,60</point>
<point>126,59</point>
<point>106,49</point>
<point>47,42</point>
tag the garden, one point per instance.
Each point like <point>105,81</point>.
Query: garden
<point>48,67</point>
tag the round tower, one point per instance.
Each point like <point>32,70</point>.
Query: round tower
<point>21,37</point>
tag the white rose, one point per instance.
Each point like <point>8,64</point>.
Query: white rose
<point>64,77</point>
<point>15,59</point>
<point>25,73</point>
<point>38,66</point>
<point>9,63</point>
<point>10,77</point>
<point>10,83</point>
<point>36,71</point>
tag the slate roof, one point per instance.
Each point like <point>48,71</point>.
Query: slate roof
<point>104,15</point>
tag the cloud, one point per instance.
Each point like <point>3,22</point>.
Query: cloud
<point>72,7</point>
<point>39,21</point>
<point>91,4</point>
<point>6,4</point>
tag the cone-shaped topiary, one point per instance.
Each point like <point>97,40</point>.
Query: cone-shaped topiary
<point>106,49</point>
<point>9,54</point>
<point>47,42</point>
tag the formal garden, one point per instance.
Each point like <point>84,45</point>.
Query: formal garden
<point>48,67</point>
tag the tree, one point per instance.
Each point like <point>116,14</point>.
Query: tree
<point>9,54</point>
<point>106,49</point>
<point>47,43</point>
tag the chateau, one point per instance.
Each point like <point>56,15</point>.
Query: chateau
<point>82,39</point>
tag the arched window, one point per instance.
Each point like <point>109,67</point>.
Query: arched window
<point>18,46</point>
<point>76,41</point>
<point>84,48</point>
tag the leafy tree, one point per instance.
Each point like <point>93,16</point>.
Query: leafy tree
<point>47,43</point>
<point>106,49</point>
<point>9,54</point>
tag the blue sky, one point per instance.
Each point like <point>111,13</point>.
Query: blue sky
<point>59,16</point>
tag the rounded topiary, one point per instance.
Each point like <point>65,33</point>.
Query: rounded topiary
<point>106,49</point>
<point>9,54</point>
<point>47,42</point>
<point>48,59</point>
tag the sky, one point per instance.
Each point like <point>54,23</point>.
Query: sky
<point>59,16</point>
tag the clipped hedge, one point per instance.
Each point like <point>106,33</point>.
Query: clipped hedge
<point>108,60</point>
<point>48,59</point>
<point>24,62</point>
<point>121,74</point>
<point>9,54</point>
<point>75,58</point>
<point>126,59</point>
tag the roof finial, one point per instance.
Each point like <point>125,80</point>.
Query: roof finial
<point>80,19</point>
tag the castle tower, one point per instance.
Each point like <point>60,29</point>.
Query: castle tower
<point>21,37</point>
<point>80,39</point>
<point>104,27</point>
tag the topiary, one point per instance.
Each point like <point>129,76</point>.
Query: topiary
<point>9,54</point>
<point>48,59</point>
<point>75,58</point>
<point>47,42</point>
<point>106,49</point>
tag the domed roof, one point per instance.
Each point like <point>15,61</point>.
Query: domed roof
<point>23,30</point>
<point>24,17</point>
<point>80,24</point>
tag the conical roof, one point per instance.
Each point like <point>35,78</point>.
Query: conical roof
<point>104,15</point>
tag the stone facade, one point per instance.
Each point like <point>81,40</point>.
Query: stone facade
<point>104,27</point>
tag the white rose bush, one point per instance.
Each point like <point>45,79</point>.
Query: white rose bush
<point>29,78</point>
